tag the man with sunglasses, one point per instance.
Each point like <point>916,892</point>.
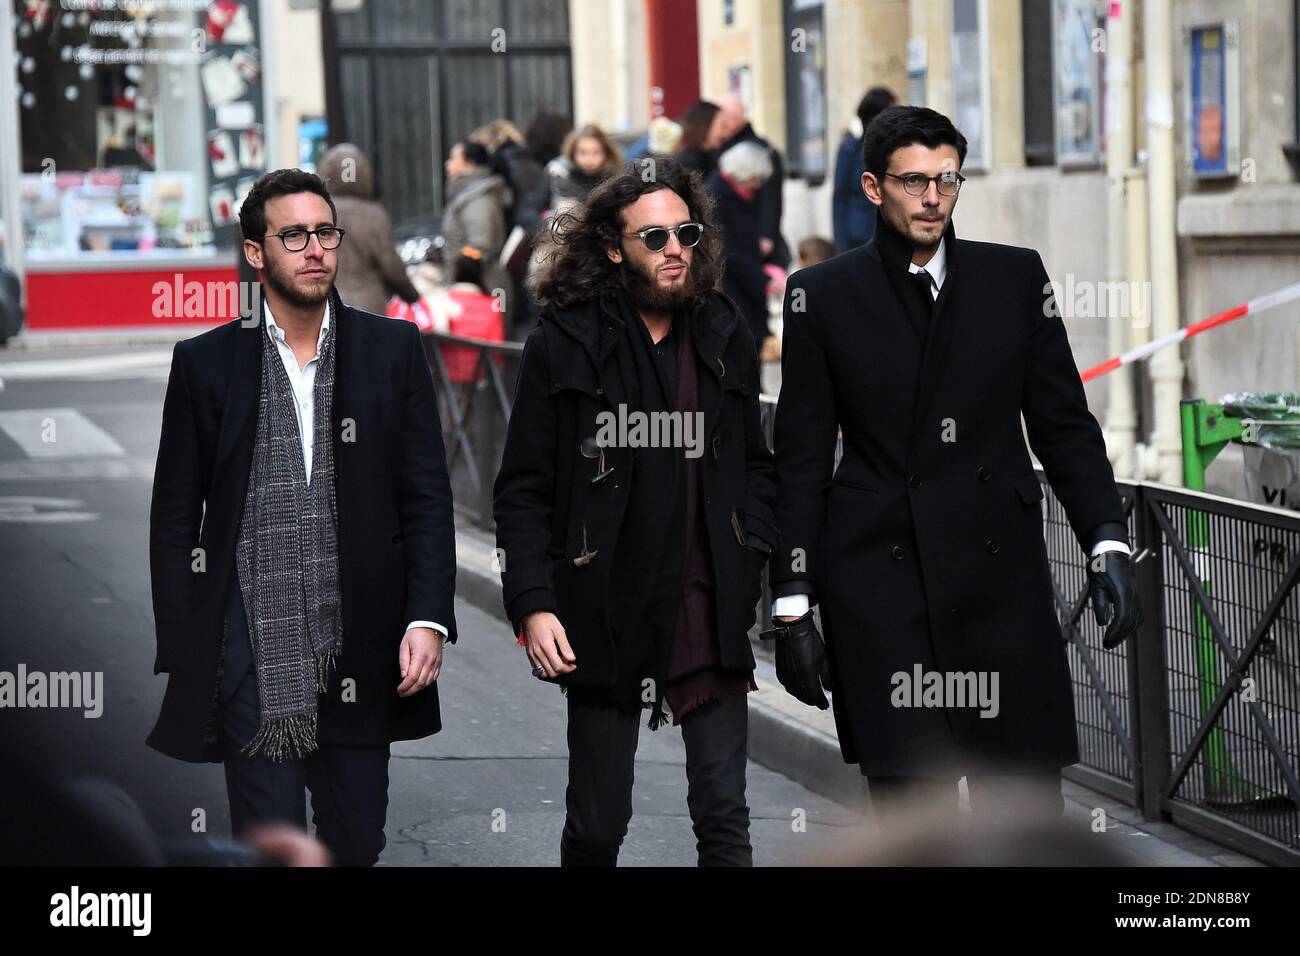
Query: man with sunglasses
<point>301,545</point>
<point>631,558</point>
<point>924,548</point>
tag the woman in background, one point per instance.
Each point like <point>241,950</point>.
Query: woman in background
<point>702,134</point>
<point>370,271</point>
<point>587,158</point>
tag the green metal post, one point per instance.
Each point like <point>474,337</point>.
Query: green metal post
<point>1206,432</point>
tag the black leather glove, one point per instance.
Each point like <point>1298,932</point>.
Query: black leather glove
<point>1113,588</point>
<point>801,664</point>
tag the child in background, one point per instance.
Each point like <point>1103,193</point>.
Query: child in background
<point>815,249</point>
<point>465,308</point>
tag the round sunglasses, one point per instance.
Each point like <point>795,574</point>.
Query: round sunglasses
<point>656,237</point>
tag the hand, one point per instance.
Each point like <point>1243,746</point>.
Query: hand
<point>546,644</point>
<point>770,350</point>
<point>287,845</point>
<point>1114,596</point>
<point>420,660</point>
<point>801,663</point>
<point>765,246</point>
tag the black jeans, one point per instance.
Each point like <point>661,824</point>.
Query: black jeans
<point>349,785</point>
<point>602,753</point>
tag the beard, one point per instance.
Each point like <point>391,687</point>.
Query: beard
<point>649,296</point>
<point>901,221</point>
<point>279,278</point>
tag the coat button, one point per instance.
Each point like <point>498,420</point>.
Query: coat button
<point>914,481</point>
<point>983,474</point>
<point>600,391</point>
<point>897,552</point>
<point>991,546</point>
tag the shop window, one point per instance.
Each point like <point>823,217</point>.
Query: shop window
<point>1064,69</point>
<point>970,79</point>
<point>805,73</point>
<point>141,131</point>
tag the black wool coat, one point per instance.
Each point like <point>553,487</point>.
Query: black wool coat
<point>397,554</point>
<point>925,546</point>
<point>549,513</point>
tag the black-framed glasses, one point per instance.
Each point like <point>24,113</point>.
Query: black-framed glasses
<point>295,240</point>
<point>656,237</point>
<point>947,182</point>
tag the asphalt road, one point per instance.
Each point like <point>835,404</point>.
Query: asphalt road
<point>78,436</point>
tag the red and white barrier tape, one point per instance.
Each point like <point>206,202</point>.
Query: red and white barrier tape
<point>1279,297</point>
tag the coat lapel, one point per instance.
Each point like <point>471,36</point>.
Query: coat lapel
<point>344,368</point>
<point>937,342</point>
<point>893,259</point>
<point>713,325</point>
<point>235,440</point>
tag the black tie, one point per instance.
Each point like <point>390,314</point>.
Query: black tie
<point>926,303</point>
<point>926,282</point>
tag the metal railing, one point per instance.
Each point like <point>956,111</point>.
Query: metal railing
<point>1195,719</point>
<point>475,409</point>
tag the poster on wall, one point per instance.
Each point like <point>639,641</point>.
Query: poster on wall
<point>1211,112</point>
<point>1078,93</point>
<point>232,89</point>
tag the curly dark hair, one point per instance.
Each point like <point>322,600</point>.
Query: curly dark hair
<point>577,269</point>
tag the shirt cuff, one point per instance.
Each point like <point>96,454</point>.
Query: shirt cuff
<point>792,605</point>
<point>1102,546</point>
<point>437,627</point>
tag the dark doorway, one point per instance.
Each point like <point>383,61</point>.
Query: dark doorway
<point>405,79</point>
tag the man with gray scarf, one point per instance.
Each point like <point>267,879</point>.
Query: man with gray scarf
<point>302,547</point>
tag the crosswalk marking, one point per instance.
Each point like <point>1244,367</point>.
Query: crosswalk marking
<point>46,434</point>
<point>32,510</point>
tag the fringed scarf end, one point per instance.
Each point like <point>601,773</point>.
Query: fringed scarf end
<point>285,738</point>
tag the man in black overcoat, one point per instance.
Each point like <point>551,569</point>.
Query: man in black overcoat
<point>631,560</point>
<point>924,547</point>
<point>301,542</point>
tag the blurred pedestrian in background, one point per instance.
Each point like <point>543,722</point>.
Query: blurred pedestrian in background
<point>370,271</point>
<point>660,140</point>
<point>511,159</point>
<point>475,214</point>
<point>742,171</point>
<point>852,214</point>
<point>735,129</point>
<point>702,134</point>
<point>588,157</point>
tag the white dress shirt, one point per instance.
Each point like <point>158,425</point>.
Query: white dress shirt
<point>796,605</point>
<point>303,382</point>
<point>937,267</point>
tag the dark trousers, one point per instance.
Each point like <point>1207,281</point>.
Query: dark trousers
<point>602,752</point>
<point>1037,793</point>
<point>348,785</point>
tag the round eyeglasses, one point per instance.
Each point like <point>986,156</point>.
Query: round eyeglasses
<point>295,240</point>
<point>915,184</point>
<point>656,237</point>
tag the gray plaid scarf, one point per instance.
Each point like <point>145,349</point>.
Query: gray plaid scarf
<point>287,556</point>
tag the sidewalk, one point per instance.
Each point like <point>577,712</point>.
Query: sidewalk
<point>799,741</point>
<point>107,338</point>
